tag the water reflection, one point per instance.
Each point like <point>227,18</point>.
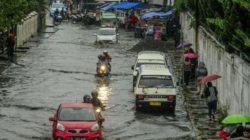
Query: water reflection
<point>104,91</point>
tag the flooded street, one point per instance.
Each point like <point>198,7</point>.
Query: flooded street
<point>62,69</point>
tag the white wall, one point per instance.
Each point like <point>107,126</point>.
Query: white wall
<point>27,29</point>
<point>159,2</point>
<point>170,2</point>
<point>234,86</point>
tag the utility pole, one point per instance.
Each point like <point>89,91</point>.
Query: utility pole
<point>197,24</point>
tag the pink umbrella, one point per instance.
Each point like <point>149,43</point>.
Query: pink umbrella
<point>209,78</point>
<point>191,55</point>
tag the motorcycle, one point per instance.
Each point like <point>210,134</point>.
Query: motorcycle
<point>103,69</point>
<point>77,17</point>
<point>99,116</point>
<point>58,19</point>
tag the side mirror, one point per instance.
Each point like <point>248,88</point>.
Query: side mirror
<point>52,119</point>
<point>132,67</point>
<point>117,34</point>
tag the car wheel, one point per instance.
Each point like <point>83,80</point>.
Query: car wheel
<point>137,108</point>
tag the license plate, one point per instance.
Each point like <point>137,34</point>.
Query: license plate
<point>77,138</point>
<point>155,103</point>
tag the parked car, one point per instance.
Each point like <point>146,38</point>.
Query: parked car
<point>75,121</point>
<point>109,19</point>
<point>121,14</point>
<point>148,57</point>
<point>57,5</point>
<point>108,35</point>
<point>155,88</point>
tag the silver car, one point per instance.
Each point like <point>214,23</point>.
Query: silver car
<point>107,35</point>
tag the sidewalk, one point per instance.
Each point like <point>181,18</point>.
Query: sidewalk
<point>5,62</point>
<point>196,107</point>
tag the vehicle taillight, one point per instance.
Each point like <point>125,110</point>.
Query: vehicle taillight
<point>171,97</point>
<point>140,97</point>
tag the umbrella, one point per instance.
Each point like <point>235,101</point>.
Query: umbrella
<point>191,55</point>
<point>236,119</point>
<point>209,78</point>
<point>184,44</point>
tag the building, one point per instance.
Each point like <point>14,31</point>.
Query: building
<point>161,2</point>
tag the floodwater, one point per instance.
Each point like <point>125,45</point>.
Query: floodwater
<point>62,68</point>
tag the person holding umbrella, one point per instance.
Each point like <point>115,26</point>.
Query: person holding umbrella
<point>187,70</point>
<point>201,72</point>
<point>211,95</point>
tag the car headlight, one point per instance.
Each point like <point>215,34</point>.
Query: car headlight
<point>98,110</point>
<point>95,127</point>
<point>102,68</point>
<point>60,127</point>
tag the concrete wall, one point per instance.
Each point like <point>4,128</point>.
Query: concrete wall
<point>27,29</point>
<point>159,2</point>
<point>234,86</point>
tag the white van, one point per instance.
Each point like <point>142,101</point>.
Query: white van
<point>155,87</point>
<point>147,57</point>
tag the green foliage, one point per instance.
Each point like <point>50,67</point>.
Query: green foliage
<point>218,22</point>
<point>13,11</point>
<point>228,19</point>
<point>243,35</point>
<point>180,5</point>
<point>243,3</point>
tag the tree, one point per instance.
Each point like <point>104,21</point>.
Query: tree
<point>228,20</point>
<point>13,11</point>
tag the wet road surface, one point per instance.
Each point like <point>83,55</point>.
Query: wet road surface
<point>62,69</point>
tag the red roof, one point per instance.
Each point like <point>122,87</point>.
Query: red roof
<point>74,104</point>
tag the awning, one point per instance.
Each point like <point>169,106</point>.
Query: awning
<point>102,5</point>
<point>109,6</point>
<point>127,5</point>
<point>158,14</point>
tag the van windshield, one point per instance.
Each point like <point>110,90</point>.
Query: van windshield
<point>155,81</point>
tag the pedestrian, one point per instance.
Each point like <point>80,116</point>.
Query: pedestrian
<point>187,70</point>
<point>126,21</point>
<point>201,72</point>
<point>188,49</point>
<point>2,42</point>
<point>223,134</point>
<point>95,100</point>
<point>238,132</point>
<point>211,95</point>
<point>10,44</point>
<point>194,63</point>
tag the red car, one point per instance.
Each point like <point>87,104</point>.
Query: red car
<point>76,121</point>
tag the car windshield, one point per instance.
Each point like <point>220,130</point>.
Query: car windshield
<point>57,5</point>
<point>77,114</point>
<point>147,81</point>
<point>106,32</point>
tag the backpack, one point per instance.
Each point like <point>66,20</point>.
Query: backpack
<point>211,94</point>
